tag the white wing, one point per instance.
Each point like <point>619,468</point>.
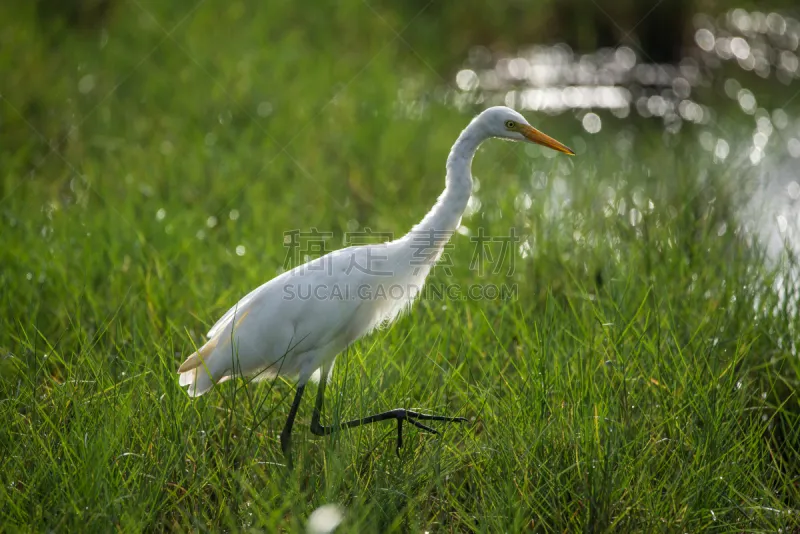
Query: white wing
<point>237,309</point>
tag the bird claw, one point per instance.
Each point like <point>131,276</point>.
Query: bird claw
<point>423,427</point>
<point>410,417</point>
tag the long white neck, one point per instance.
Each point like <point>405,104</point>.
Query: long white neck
<point>445,216</point>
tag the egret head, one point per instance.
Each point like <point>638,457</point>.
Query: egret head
<point>505,123</point>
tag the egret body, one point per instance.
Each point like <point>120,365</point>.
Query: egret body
<point>297,323</point>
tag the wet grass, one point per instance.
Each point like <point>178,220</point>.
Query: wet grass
<point>643,376</point>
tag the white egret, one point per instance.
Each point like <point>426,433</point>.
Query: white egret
<point>298,322</point>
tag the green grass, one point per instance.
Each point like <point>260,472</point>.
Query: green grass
<point>642,379</point>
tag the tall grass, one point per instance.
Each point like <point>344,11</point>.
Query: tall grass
<point>643,376</point>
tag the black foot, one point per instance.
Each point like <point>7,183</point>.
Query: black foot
<point>401,414</point>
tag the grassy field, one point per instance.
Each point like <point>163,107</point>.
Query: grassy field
<point>643,377</point>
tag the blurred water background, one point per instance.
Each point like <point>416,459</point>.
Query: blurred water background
<point>733,83</point>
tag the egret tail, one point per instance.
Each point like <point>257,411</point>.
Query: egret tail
<point>198,371</point>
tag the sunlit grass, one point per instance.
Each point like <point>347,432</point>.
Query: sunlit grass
<point>643,378</point>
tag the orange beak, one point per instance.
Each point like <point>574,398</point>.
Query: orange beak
<point>535,136</point>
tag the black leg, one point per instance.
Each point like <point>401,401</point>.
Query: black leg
<point>400,414</point>
<point>286,433</point>
<point>316,428</point>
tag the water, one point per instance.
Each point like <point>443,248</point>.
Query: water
<point>737,46</point>
<point>735,89</point>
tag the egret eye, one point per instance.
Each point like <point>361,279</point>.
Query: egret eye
<point>510,124</point>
